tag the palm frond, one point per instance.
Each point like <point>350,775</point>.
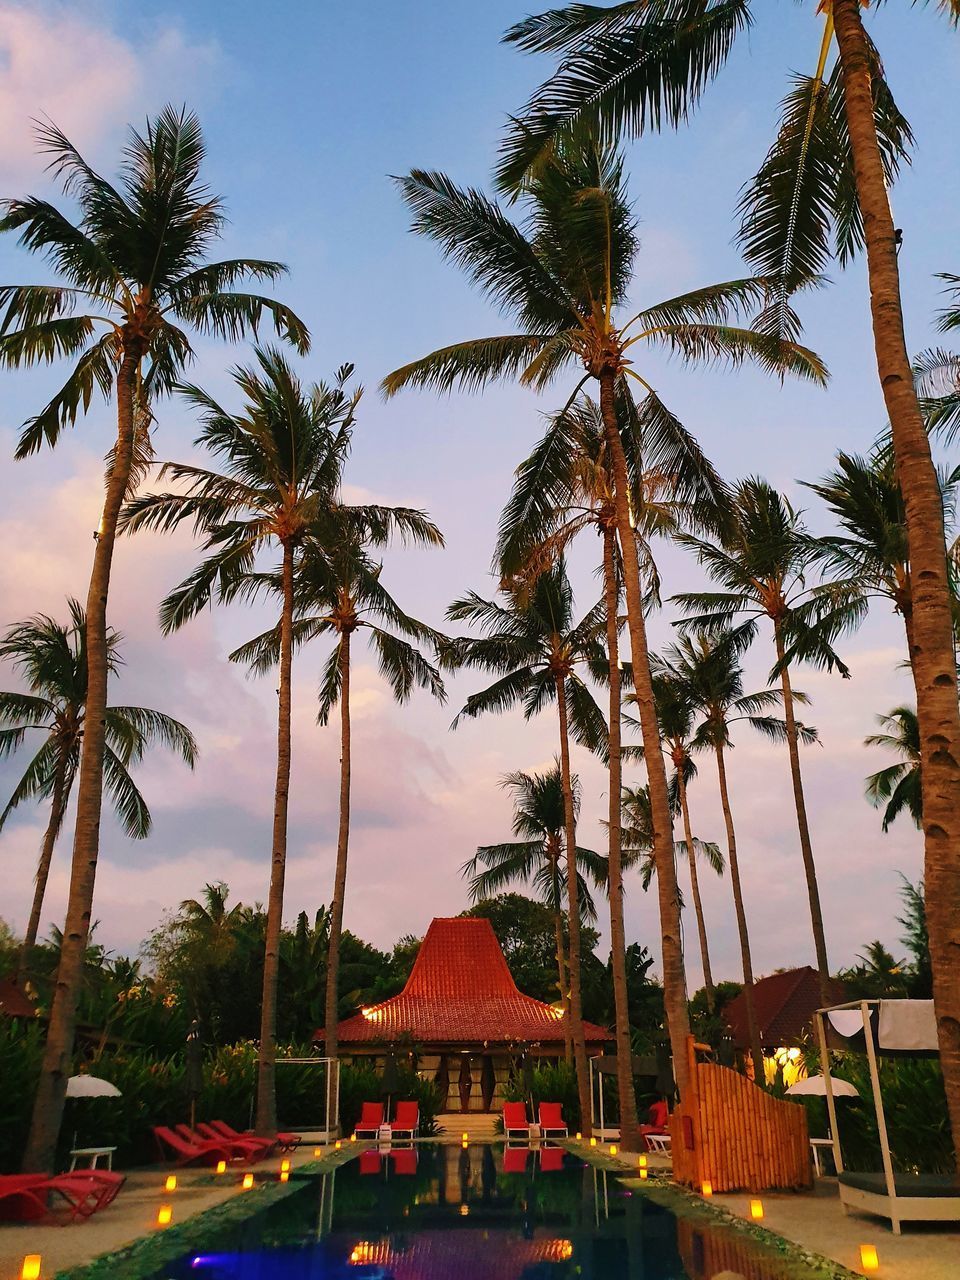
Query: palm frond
<point>469,365</point>
<point>128,804</point>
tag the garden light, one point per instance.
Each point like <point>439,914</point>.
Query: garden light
<point>579,1136</point>
<point>337,1145</point>
<point>613,1149</point>
<point>164,1215</point>
<point>593,1142</point>
<point>353,1137</point>
<point>706,1189</point>
<point>464,1137</point>
<point>284,1175</point>
<point>644,1174</point>
<point>317,1151</point>
<point>641,1162</point>
<point>221,1166</point>
<point>31,1267</point>
<point>868,1258</point>
<point>247,1181</point>
<point>284,1166</point>
<point>171,1182</point>
<point>756,1210</point>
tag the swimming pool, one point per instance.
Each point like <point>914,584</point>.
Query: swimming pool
<point>445,1212</point>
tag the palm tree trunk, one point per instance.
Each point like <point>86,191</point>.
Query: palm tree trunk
<point>753,1031</point>
<point>58,803</point>
<point>266,1120</point>
<point>629,1125</point>
<point>806,848</point>
<point>51,1092</point>
<point>695,886</point>
<point>934,661</point>
<point>573,912</point>
<point>564,989</point>
<point>332,1047</point>
<point>674,979</point>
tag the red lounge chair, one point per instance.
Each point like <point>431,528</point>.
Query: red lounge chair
<point>404,1160</point>
<point>185,1152</point>
<point>658,1122</point>
<point>515,1159</point>
<point>249,1149</point>
<point>551,1159</point>
<point>21,1197</point>
<point>207,1133</point>
<point>371,1118</point>
<point>551,1119</point>
<point>285,1141</point>
<point>26,1197</point>
<point>406,1120</point>
<point>515,1120</point>
<point>369,1162</point>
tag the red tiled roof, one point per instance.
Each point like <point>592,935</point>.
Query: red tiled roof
<point>784,1005</point>
<point>460,991</point>
<point>13,1002</point>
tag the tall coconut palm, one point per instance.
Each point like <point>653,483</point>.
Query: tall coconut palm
<point>896,789</point>
<point>760,568</point>
<point>52,659</point>
<point>871,557</point>
<point>540,857</point>
<point>564,489</point>
<point>823,188</point>
<point>133,278</point>
<point>535,646</point>
<point>338,592</point>
<point>281,458</point>
<point>565,275</point>
<point>708,667</point>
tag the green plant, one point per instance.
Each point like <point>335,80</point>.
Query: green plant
<point>548,1082</point>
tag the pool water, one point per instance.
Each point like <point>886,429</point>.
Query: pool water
<point>444,1212</point>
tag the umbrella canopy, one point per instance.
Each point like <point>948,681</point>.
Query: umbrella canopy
<point>817,1086</point>
<point>91,1087</point>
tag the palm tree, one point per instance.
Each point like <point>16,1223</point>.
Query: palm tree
<point>897,788</point>
<point>281,457</point>
<point>52,658</point>
<point>338,592</point>
<point>761,567</point>
<point>871,557</point>
<point>708,668</point>
<point>131,273</point>
<point>540,857</point>
<point>563,489</point>
<point>823,187</point>
<point>533,644</point>
<point>565,275</point>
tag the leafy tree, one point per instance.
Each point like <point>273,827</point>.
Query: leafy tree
<point>536,649</point>
<point>878,975</point>
<point>897,788</point>
<point>916,937</point>
<point>52,658</point>
<point>822,191</point>
<point>565,275</point>
<point>281,459</point>
<point>761,567</point>
<point>131,273</point>
<point>538,814</point>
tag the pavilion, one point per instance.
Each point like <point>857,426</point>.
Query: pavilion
<point>463,1016</point>
<point>784,1004</point>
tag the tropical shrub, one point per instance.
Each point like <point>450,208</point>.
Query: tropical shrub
<point>548,1082</point>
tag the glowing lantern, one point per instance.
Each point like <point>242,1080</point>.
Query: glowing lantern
<point>593,1142</point>
<point>756,1210</point>
<point>706,1189</point>
<point>171,1182</point>
<point>337,1145</point>
<point>284,1166</point>
<point>868,1257</point>
<point>353,1137</point>
<point>641,1162</point>
<point>317,1151</point>
<point>31,1267</point>
<point>247,1181</point>
<point>464,1211</point>
<point>464,1137</point>
<point>164,1215</point>
<point>284,1175</point>
<point>644,1174</point>
<point>613,1149</point>
<point>579,1136</point>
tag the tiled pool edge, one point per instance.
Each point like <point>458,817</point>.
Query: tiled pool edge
<point>144,1257</point>
<point>801,1264</point>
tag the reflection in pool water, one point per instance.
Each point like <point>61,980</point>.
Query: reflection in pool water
<point>436,1212</point>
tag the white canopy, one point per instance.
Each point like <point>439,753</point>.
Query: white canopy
<point>85,1086</point>
<point>899,1026</point>
<point>816,1086</point>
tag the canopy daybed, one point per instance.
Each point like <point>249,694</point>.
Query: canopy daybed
<point>887,1028</point>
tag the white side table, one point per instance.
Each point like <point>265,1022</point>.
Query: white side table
<point>92,1156</point>
<point>815,1145</point>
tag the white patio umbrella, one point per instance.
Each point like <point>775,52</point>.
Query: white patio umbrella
<point>816,1086</point>
<point>84,1086</point>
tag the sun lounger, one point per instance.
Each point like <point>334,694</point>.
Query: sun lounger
<point>249,1149</point>
<point>371,1118</point>
<point>207,1133</point>
<point>406,1120</point>
<point>285,1141</point>
<point>185,1152</point>
<point>27,1197</point>
<point>515,1123</point>
<point>918,1197</point>
<point>551,1120</point>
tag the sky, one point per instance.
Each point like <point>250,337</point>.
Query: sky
<point>307,111</point>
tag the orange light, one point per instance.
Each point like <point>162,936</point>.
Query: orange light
<point>644,1174</point>
<point>465,1146</point>
<point>317,1151</point>
<point>353,1137</point>
<point>171,1182</point>
<point>284,1175</point>
<point>464,1211</point>
<point>221,1166</point>
<point>706,1189</point>
<point>337,1145</point>
<point>284,1166</point>
<point>641,1162</point>
<point>164,1215</point>
<point>464,1137</point>
<point>613,1149</point>
<point>31,1267</point>
<point>579,1136</point>
<point>593,1142</point>
<point>247,1181</point>
<point>756,1210</point>
<point>868,1258</point>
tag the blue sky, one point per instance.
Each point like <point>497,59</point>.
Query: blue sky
<point>307,109</point>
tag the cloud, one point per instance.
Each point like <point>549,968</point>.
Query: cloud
<point>86,78</point>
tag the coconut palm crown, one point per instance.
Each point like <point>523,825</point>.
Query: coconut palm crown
<point>896,789</point>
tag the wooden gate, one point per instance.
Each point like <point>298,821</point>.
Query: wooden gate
<point>731,1133</point>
